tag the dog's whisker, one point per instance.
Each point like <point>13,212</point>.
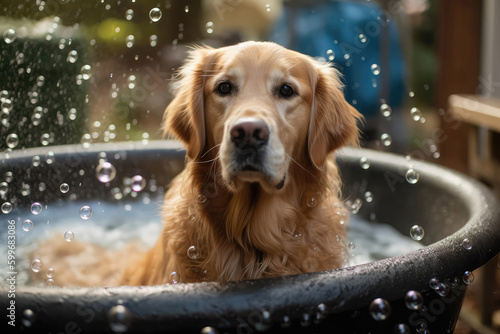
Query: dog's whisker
<point>210,150</point>
<point>288,155</point>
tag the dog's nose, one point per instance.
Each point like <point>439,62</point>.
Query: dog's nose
<point>250,131</point>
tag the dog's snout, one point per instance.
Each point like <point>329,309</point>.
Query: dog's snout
<point>250,131</point>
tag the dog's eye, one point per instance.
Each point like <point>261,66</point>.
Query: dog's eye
<point>224,88</point>
<point>286,91</point>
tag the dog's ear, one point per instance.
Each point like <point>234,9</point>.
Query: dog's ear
<point>185,117</point>
<point>333,121</point>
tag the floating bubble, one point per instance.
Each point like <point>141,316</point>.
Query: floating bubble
<point>210,27</point>
<point>7,106</point>
<point>50,282</point>
<point>85,212</point>
<point>414,300</point>
<point>40,80</point>
<point>193,252</point>
<point>186,9</point>
<point>131,81</point>
<point>385,110</point>
<point>468,277</point>
<point>50,158</point>
<point>27,225</point>
<point>411,94</point>
<point>116,193</point>
<point>153,40</point>
<point>36,265</point>
<point>50,272</point>
<point>416,114</point>
<point>36,161</point>
<point>64,188</point>
<point>380,309</point>
<point>6,207</point>
<point>4,188</point>
<point>45,139</point>
<point>368,196</point>
<point>174,277</point>
<point>129,14</point>
<point>412,176</point>
<point>330,54</point>
<point>417,232</point>
<point>9,36</point>
<point>286,321</point>
<point>155,14</point>
<point>28,317</point>
<point>375,69</point>
<point>355,205</point>
<point>105,172</point>
<point>36,119</point>
<point>386,139</point>
<point>129,41</point>
<point>268,7</point>
<point>72,56</point>
<point>402,329</point>
<point>4,117</point>
<point>12,140</point>
<point>442,289</point>
<point>201,198</point>
<point>119,319</point>
<point>305,320</point>
<point>312,202</point>
<point>209,330</point>
<point>85,71</point>
<point>362,38</point>
<point>433,283</point>
<point>86,140</point>
<point>68,236</point>
<point>351,245</point>
<point>466,244</point>
<point>364,163</point>
<point>138,183</point>
<point>26,189</point>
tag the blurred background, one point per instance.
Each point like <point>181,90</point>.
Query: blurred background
<point>424,73</point>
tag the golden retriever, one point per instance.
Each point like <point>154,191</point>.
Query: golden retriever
<point>259,196</point>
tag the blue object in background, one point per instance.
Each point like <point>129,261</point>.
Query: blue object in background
<point>361,39</point>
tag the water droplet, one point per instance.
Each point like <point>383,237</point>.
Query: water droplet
<point>105,172</point>
<point>210,27</point>
<point>36,208</point>
<point>368,196</point>
<point>442,289</point>
<point>201,198</point>
<point>72,56</point>
<point>12,140</point>
<point>351,245</point>
<point>129,14</point>
<point>85,71</point>
<point>386,139</point>
<point>153,40</point>
<point>380,309</point>
<point>9,36</point>
<point>412,176</point>
<point>64,188</point>
<point>417,232</point>
<point>174,277</point>
<point>193,252</point>
<point>36,265</point>
<point>155,14</point>
<point>402,329</point>
<point>414,300</point>
<point>27,225</point>
<point>68,236</point>
<point>50,272</point>
<point>468,277</point>
<point>330,54</point>
<point>375,69</point>
<point>466,244</point>
<point>385,110</point>
<point>6,207</point>
<point>131,81</point>
<point>364,163</point>
<point>85,212</point>
<point>129,41</point>
<point>416,114</point>
<point>119,319</point>
<point>138,183</point>
<point>28,317</point>
<point>312,202</point>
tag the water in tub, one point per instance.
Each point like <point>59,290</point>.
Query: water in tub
<point>90,242</point>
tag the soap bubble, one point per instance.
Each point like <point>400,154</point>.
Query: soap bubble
<point>50,282</point>
<point>36,208</point>
<point>209,330</point>
<point>85,71</point>
<point>64,188</point>
<point>50,272</point>
<point>85,212</point>
<point>129,14</point>
<point>131,81</point>
<point>351,245</point>
<point>362,38</point>
<point>385,110</point>
<point>129,41</point>
<point>210,27</point>
<point>468,277</point>
<point>105,172</point>
<point>201,198</point>
<point>368,197</point>
<point>331,55</point>
<point>9,36</point>
<point>414,300</point>
<point>466,244</point>
<point>186,9</point>
<point>174,277</point>
<point>193,252</point>
<point>36,265</point>
<point>27,225</point>
<point>28,317</point>
<point>412,176</point>
<point>364,163</point>
<point>68,236</point>
<point>153,40</point>
<point>442,289</point>
<point>40,80</point>
<point>155,14</point>
<point>417,232</point>
<point>402,329</point>
<point>6,207</point>
<point>4,188</point>
<point>72,56</point>
<point>312,202</point>
<point>138,183</point>
<point>375,69</point>
<point>119,319</point>
<point>386,139</point>
<point>416,114</point>
<point>7,105</point>
<point>380,309</point>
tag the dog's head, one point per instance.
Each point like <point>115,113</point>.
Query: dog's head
<point>260,107</point>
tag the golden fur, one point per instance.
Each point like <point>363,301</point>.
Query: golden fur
<point>242,225</point>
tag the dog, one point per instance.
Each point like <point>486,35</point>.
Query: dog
<point>259,196</point>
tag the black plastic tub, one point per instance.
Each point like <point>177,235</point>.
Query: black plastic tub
<point>449,206</point>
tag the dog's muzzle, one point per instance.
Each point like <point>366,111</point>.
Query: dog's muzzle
<point>250,137</point>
